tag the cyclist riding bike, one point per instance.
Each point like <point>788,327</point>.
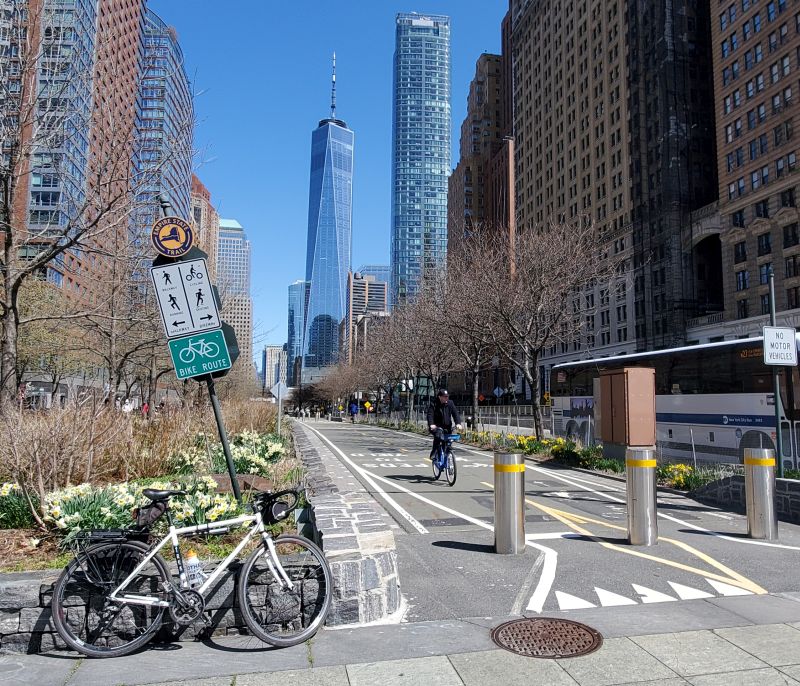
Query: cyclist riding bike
<point>442,414</point>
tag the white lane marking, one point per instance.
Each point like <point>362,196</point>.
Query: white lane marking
<point>525,589</point>
<point>609,599</point>
<point>365,475</point>
<point>651,596</point>
<point>720,515</point>
<point>571,602</point>
<point>727,589</point>
<point>555,494</point>
<point>536,603</point>
<point>688,593</point>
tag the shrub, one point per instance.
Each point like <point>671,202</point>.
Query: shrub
<point>15,512</point>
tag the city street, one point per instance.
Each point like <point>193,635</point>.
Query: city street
<point>577,556</point>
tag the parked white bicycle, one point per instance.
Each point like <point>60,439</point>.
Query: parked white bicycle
<point>111,599</point>
<point>199,348</point>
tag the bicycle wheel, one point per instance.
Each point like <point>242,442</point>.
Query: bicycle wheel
<point>92,624</point>
<point>212,349</point>
<point>279,616</point>
<point>436,464</point>
<point>187,355</point>
<point>450,468</point>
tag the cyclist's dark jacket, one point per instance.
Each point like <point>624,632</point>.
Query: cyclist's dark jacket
<point>443,415</point>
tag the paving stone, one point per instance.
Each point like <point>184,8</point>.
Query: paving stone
<point>9,622</point>
<point>36,619</point>
<point>430,671</point>
<point>775,644</point>
<point>319,676</point>
<point>214,681</point>
<point>619,661</point>
<point>693,653</point>
<point>762,677</point>
<point>17,593</point>
<point>479,669</point>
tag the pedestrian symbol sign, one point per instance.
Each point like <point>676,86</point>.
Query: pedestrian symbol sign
<point>185,298</point>
<point>199,354</point>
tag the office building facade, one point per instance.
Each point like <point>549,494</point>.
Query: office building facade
<point>420,150</point>
<point>205,221</point>
<point>365,295</point>
<point>381,272</point>
<point>233,281</point>
<point>298,297</point>
<point>329,243</point>
<point>273,366</point>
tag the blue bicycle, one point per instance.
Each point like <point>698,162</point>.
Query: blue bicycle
<point>444,460</point>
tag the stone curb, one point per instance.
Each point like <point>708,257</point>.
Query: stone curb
<point>355,533</point>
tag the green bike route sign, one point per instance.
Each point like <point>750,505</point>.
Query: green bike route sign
<point>202,353</point>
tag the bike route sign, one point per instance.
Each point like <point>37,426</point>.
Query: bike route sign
<point>199,354</point>
<point>185,298</point>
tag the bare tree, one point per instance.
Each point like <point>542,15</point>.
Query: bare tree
<point>538,291</point>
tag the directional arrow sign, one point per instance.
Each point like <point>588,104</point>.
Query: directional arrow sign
<point>185,298</point>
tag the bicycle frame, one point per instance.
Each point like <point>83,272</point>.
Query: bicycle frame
<point>172,536</point>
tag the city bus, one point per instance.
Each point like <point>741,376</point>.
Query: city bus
<point>712,400</point>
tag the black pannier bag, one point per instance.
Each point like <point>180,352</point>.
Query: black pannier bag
<point>147,515</point>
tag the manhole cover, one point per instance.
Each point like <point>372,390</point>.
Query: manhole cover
<point>544,637</point>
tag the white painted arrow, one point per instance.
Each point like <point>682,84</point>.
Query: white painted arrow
<point>609,599</point>
<point>651,596</point>
<point>571,602</point>
<point>688,593</point>
<point>727,589</point>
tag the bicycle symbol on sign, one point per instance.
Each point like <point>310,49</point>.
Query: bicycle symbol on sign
<point>194,274</point>
<point>198,348</point>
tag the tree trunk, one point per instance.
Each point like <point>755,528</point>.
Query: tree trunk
<point>8,353</point>
<point>476,379</point>
<point>531,371</point>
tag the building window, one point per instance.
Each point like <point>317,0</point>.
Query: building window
<point>754,181</point>
<point>765,304</point>
<point>787,198</point>
<point>742,280</point>
<point>740,252</point>
<point>763,273</point>
<point>741,309</point>
<point>790,266</point>
<point>790,235</point>
<point>764,244</point>
<point>737,219</point>
<point>740,186</point>
<point>762,208</point>
<point>793,297</point>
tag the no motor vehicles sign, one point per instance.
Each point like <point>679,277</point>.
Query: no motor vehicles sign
<point>779,346</point>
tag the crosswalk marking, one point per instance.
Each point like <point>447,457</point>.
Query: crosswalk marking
<point>571,602</point>
<point>609,599</point>
<point>651,596</point>
<point>687,592</point>
<point>727,589</point>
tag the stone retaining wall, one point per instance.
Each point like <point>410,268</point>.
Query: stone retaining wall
<point>355,533</point>
<point>729,492</point>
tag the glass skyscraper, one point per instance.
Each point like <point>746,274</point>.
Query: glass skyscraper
<point>420,150</point>
<point>294,346</point>
<point>329,243</point>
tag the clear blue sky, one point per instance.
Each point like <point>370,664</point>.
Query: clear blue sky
<point>261,70</point>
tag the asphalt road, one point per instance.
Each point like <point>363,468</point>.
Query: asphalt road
<point>577,556</point>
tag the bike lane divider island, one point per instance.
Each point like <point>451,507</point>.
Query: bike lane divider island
<point>576,526</point>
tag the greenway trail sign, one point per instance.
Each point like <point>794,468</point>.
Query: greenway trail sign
<point>199,354</point>
<point>779,346</point>
<point>185,297</point>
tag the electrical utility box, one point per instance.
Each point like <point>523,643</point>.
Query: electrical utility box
<point>628,408</point>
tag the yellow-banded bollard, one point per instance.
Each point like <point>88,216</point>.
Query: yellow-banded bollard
<point>640,467</point>
<point>759,489</point>
<point>509,503</point>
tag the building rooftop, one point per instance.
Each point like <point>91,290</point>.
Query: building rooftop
<point>230,224</point>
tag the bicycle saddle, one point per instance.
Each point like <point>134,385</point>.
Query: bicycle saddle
<point>155,495</point>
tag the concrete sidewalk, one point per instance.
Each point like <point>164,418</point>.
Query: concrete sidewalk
<point>726,641</point>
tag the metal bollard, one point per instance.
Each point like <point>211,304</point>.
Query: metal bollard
<point>640,466</point>
<point>509,503</point>
<point>759,488</point>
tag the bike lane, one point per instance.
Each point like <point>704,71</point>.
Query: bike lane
<point>577,557</point>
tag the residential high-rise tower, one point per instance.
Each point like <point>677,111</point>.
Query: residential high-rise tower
<point>420,150</point>
<point>329,240</point>
<point>298,296</point>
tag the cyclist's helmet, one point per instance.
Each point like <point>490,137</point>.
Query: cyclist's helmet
<point>443,392</point>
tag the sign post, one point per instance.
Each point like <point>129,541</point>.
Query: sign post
<point>780,350</point>
<point>188,305</point>
<point>279,390</point>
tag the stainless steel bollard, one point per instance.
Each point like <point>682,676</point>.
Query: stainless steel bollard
<point>640,466</point>
<point>509,503</point>
<point>759,488</point>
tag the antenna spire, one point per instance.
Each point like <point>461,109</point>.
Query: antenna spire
<point>333,89</point>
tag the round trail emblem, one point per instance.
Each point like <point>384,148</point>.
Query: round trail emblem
<point>172,236</point>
